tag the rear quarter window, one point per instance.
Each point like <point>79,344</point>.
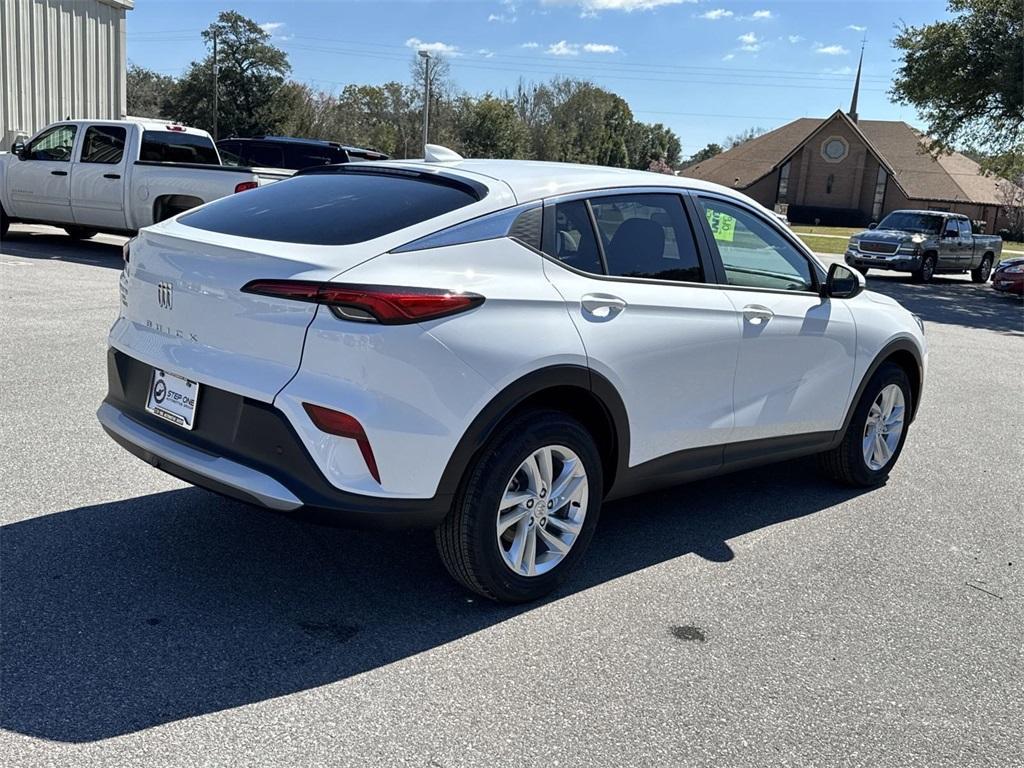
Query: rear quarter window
<point>177,147</point>
<point>332,208</point>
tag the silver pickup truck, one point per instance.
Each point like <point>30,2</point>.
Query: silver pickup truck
<point>924,243</point>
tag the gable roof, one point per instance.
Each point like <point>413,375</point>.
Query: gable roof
<point>901,148</point>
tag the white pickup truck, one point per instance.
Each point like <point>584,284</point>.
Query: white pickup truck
<point>117,176</point>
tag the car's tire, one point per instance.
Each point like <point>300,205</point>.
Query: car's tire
<point>863,270</point>
<point>983,271</point>
<point>80,233</point>
<point>468,540</point>
<point>5,223</point>
<point>927,270</point>
<point>848,462</point>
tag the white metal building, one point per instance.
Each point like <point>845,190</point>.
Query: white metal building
<point>60,59</point>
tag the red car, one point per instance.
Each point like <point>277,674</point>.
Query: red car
<point>1009,276</point>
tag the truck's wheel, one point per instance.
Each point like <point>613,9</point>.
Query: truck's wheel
<point>926,272</point>
<point>80,233</point>
<point>5,223</point>
<point>981,274</point>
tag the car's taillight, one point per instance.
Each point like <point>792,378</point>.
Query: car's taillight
<point>385,304</point>
<point>343,425</point>
<point>242,187</point>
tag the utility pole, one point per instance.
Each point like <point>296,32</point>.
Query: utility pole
<point>216,85</point>
<point>426,98</point>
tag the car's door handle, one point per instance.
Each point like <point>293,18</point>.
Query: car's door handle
<point>58,173</point>
<point>111,175</point>
<point>756,314</point>
<point>602,305</point>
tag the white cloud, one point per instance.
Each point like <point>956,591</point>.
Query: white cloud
<point>729,57</point>
<point>600,48</point>
<point>761,15</point>
<point>485,53</point>
<point>748,39</point>
<point>857,28</point>
<point>591,7</point>
<point>270,27</point>
<point>795,39</point>
<point>715,15</point>
<point>562,48</point>
<point>530,45</point>
<point>419,45</point>
<point>831,50</point>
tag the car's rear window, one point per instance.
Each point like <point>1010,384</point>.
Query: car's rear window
<point>177,147</point>
<point>332,208</point>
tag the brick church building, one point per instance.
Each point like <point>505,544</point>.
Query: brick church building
<point>844,171</point>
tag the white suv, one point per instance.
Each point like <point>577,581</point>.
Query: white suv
<point>491,348</point>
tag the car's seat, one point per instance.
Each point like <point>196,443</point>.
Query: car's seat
<point>637,247</point>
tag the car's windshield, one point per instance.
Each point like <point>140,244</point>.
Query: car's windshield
<point>906,221</point>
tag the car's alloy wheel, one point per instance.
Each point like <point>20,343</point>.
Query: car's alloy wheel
<point>883,427</point>
<point>877,430</point>
<point>542,510</point>
<point>983,272</point>
<point>928,269</point>
<point>526,509</point>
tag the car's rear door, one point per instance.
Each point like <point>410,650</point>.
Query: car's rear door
<point>797,353</point>
<point>629,269</point>
<point>98,177</point>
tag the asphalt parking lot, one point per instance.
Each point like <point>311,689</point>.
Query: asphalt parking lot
<point>763,618</point>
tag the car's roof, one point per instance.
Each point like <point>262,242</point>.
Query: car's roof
<point>146,123</point>
<point>534,179</point>
<point>928,213</point>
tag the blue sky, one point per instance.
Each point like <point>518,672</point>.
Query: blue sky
<point>706,68</point>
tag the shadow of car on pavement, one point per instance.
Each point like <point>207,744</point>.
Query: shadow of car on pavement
<point>130,614</point>
<point>48,245</point>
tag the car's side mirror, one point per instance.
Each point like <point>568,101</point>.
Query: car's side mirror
<point>18,148</point>
<point>873,225</point>
<point>842,282</point>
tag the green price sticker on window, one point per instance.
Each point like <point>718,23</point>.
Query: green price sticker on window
<point>723,226</point>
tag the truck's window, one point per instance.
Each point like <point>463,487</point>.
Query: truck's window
<point>332,208</point>
<point>103,144</point>
<point>261,155</point>
<point>177,147</point>
<point>908,221</point>
<point>965,228</point>
<point>229,152</point>
<point>305,157</point>
<point>54,144</point>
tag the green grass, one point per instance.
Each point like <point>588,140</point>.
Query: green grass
<point>824,244</point>
<point>806,229</point>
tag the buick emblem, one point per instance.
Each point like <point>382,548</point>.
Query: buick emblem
<point>165,295</point>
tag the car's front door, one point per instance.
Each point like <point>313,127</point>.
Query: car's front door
<point>797,354</point>
<point>950,248</point>
<point>39,185</point>
<point>629,270</point>
<point>97,179</point>
<point>965,259</point>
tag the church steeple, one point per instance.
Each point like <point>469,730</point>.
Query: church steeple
<point>856,85</point>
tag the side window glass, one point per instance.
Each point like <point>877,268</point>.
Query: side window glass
<point>103,144</point>
<point>54,145</point>
<point>965,228</point>
<point>300,157</point>
<point>264,156</point>
<point>753,253</point>
<point>572,239</point>
<point>647,236</point>
<point>229,152</point>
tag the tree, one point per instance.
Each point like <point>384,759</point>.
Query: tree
<point>591,126</point>
<point>744,136</point>
<point>708,152</point>
<point>149,93</point>
<point>966,75</point>
<point>490,127</point>
<point>652,143</point>
<point>252,72</point>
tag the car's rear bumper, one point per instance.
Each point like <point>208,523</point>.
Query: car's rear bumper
<point>247,450</point>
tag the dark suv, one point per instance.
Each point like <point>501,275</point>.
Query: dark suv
<point>287,152</point>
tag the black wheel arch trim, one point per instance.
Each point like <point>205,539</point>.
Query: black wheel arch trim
<point>518,392</point>
<point>902,344</point>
